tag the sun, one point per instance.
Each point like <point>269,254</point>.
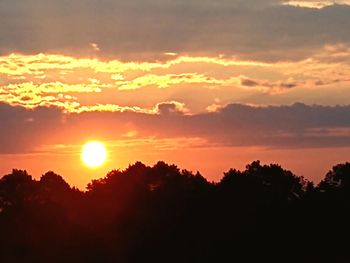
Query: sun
<point>94,154</point>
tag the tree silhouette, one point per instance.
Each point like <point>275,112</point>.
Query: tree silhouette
<point>269,183</point>
<point>337,179</point>
<point>15,188</point>
<point>165,214</point>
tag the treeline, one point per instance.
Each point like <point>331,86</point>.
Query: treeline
<point>164,214</point>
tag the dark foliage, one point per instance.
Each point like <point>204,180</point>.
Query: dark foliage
<point>163,214</point>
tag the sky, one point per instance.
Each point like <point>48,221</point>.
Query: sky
<point>205,84</point>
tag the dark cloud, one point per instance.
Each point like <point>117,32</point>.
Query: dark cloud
<point>142,29</point>
<point>288,85</point>
<point>295,126</point>
<point>167,108</point>
<point>270,86</point>
<point>249,82</point>
<point>24,130</point>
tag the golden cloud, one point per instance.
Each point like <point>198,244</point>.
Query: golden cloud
<point>316,3</point>
<point>89,84</point>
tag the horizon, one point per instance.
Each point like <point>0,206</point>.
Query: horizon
<point>98,174</point>
<point>181,170</point>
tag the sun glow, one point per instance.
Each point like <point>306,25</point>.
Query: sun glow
<point>94,154</point>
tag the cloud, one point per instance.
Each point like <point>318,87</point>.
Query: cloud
<point>94,46</point>
<point>147,30</point>
<point>164,81</point>
<point>268,86</point>
<point>23,130</point>
<point>249,82</point>
<point>86,84</point>
<point>295,126</point>
<point>30,95</point>
<point>172,107</point>
<point>316,3</point>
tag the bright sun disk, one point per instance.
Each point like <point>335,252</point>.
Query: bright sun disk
<point>94,154</point>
